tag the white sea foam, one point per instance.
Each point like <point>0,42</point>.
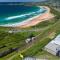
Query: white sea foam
<point>23,22</point>
<point>22,15</point>
<point>18,16</point>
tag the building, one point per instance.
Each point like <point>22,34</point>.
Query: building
<point>29,58</point>
<point>28,40</point>
<point>32,58</point>
<point>54,46</point>
<point>54,3</point>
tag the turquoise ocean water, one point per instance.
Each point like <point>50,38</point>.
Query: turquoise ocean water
<point>10,14</point>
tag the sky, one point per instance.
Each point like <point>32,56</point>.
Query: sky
<point>21,0</point>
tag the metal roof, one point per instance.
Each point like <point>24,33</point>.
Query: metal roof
<point>56,40</point>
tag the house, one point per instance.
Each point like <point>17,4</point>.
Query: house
<point>53,47</point>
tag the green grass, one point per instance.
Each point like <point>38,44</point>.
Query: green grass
<point>18,39</point>
<point>46,55</point>
<point>13,40</point>
<point>42,40</point>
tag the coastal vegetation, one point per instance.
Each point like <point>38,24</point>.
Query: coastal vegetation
<point>42,41</point>
<point>37,49</point>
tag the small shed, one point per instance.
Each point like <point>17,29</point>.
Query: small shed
<point>28,40</point>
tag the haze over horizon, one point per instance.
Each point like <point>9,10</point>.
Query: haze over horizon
<point>21,0</point>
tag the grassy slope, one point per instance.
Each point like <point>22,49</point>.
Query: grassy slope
<point>36,48</point>
<point>13,40</point>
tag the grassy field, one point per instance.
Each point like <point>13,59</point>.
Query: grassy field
<point>46,55</point>
<point>42,41</point>
<point>12,40</point>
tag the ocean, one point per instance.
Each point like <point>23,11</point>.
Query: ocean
<point>10,14</point>
<point>22,0</point>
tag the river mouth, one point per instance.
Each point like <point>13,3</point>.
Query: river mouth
<point>11,15</point>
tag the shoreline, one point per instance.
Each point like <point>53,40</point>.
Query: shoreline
<point>43,17</point>
<point>34,20</point>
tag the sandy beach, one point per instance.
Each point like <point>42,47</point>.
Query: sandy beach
<point>34,20</point>
<point>38,19</point>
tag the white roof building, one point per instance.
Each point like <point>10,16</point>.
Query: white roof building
<point>56,40</point>
<point>54,46</point>
<point>32,58</point>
